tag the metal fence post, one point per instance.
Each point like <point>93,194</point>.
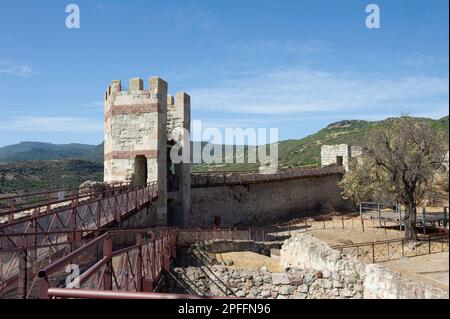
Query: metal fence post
<point>403,248</point>
<point>445,218</point>
<point>360,214</point>
<point>379,213</point>
<point>429,244</point>
<point>373,252</point>
<point>424,220</point>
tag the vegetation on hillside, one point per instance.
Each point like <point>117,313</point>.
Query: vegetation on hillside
<point>26,167</point>
<point>37,176</point>
<point>306,151</point>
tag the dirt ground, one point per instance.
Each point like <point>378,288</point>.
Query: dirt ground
<point>342,237</point>
<point>247,259</point>
<point>433,268</point>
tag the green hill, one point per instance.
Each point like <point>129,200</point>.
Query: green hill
<point>306,151</point>
<point>19,176</point>
<point>94,155</point>
<point>37,176</point>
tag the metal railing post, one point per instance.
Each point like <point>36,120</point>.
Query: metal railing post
<point>23,269</point>
<point>43,288</point>
<point>107,251</point>
<point>139,262</point>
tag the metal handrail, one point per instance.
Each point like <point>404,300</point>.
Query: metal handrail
<point>129,188</point>
<point>104,294</point>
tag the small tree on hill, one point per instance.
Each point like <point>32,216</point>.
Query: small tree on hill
<point>399,164</point>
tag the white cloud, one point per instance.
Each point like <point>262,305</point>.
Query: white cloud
<point>291,91</point>
<point>52,124</point>
<point>16,69</point>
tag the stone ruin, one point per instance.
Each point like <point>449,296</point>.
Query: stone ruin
<point>312,270</point>
<point>339,154</point>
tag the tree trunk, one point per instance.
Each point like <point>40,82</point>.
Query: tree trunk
<point>410,221</point>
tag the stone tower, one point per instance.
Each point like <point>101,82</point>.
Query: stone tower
<point>136,139</point>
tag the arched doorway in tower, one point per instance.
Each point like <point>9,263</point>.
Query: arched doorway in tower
<point>140,170</point>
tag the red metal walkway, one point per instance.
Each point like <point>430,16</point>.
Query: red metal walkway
<point>37,232</point>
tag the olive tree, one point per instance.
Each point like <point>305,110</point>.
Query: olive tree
<point>398,165</point>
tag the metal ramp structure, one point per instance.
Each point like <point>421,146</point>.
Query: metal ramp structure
<point>37,232</point>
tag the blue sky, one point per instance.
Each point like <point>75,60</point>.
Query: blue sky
<point>294,65</point>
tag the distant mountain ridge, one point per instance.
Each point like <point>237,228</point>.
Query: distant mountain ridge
<point>33,166</point>
<point>32,151</point>
<point>292,153</point>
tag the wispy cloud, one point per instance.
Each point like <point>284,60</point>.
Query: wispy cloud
<point>280,48</point>
<point>417,59</point>
<point>94,104</point>
<point>192,16</point>
<point>52,124</point>
<point>16,69</point>
<point>291,91</point>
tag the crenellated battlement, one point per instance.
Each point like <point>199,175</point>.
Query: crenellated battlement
<point>181,99</point>
<point>136,88</point>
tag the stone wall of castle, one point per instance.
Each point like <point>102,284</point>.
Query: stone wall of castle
<point>253,203</point>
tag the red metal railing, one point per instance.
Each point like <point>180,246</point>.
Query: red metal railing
<point>38,240</point>
<point>136,268</point>
<point>63,293</point>
<point>20,206</point>
<point>13,204</point>
<point>79,218</point>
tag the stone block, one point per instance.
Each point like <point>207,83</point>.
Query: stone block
<point>280,279</point>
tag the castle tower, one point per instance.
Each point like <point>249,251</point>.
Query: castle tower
<point>135,137</point>
<point>179,174</point>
